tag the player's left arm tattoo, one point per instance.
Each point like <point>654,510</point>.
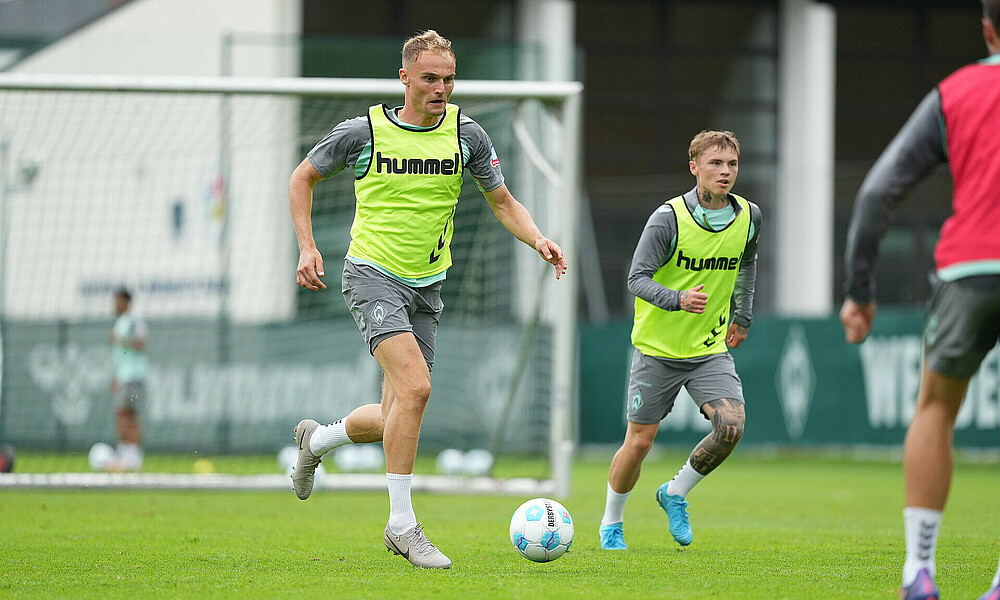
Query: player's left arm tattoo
<point>728,418</point>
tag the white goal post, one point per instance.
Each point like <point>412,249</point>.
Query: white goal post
<point>52,141</point>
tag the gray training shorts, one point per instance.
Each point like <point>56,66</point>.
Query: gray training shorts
<point>131,395</point>
<point>962,324</point>
<point>383,307</point>
<point>653,383</point>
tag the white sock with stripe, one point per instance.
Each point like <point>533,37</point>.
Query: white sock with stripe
<point>328,437</point>
<point>921,526</point>
<point>684,481</point>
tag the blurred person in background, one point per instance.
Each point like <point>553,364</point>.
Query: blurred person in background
<point>696,254</point>
<point>128,382</point>
<point>957,123</point>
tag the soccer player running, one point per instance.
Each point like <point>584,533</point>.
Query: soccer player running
<point>128,382</point>
<point>408,164</point>
<point>959,123</point>
<point>696,253</point>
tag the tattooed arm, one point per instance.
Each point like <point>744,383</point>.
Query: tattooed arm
<point>694,300</point>
<point>656,247</point>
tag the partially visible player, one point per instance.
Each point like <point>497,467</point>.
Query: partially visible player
<point>128,382</point>
<point>697,252</point>
<point>959,123</point>
<point>408,163</point>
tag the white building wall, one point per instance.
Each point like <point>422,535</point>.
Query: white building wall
<point>127,188</point>
<point>173,37</point>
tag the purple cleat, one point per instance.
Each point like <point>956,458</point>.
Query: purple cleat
<point>993,594</point>
<point>922,588</point>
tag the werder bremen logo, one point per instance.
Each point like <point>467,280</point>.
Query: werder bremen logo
<point>636,403</point>
<point>795,380</point>
<point>378,313</point>
<point>71,375</point>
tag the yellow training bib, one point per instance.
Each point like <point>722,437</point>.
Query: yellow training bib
<point>406,200</point>
<point>701,256</point>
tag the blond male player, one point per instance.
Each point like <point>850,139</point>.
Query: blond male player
<point>696,252</point>
<point>408,164</point>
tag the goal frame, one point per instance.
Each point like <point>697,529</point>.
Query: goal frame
<point>563,99</point>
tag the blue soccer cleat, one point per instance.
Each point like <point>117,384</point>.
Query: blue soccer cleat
<point>676,509</point>
<point>922,588</point>
<point>613,537</point>
<point>993,594</point>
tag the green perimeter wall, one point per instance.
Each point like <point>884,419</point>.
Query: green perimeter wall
<point>804,385</point>
<point>242,388</point>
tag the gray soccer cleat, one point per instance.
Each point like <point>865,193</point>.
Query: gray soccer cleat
<point>306,463</point>
<point>416,548</point>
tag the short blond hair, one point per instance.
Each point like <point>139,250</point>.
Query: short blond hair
<point>723,140</point>
<point>428,41</point>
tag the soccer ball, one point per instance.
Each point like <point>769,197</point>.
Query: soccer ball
<point>541,530</point>
<point>100,455</point>
<point>478,462</point>
<point>287,457</point>
<point>358,457</point>
<point>450,461</point>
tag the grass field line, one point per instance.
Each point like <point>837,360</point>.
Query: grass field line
<point>442,484</point>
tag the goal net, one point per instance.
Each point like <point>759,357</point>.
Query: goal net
<point>176,188</point>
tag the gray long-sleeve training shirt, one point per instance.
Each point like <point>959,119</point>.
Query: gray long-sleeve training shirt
<point>915,151</point>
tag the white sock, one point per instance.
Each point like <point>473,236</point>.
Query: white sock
<point>684,480</point>
<point>328,437</point>
<point>401,517</point>
<point>921,525</point>
<point>996,578</point>
<point>614,507</point>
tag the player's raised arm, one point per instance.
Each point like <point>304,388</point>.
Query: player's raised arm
<point>914,152</point>
<point>516,218</point>
<point>300,198</point>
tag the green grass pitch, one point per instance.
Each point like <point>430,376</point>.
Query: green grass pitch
<point>766,527</point>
